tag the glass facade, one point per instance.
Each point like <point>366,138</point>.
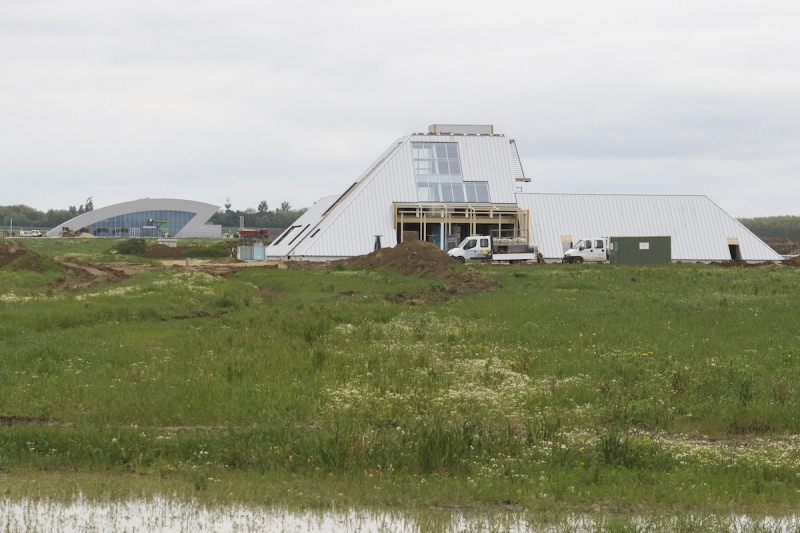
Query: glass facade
<point>438,170</point>
<point>157,223</point>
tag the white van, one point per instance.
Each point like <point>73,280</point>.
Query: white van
<point>593,250</point>
<point>30,233</point>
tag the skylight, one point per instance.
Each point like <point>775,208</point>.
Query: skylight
<point>438,172</point>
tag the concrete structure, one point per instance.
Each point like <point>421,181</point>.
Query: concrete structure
<point>148,217</point>
<point>460,180</point>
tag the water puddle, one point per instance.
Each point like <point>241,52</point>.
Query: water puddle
<point>163,515</point>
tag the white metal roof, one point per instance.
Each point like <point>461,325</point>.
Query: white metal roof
<point>699,228</point>
<point>349,227</point>
<point>307,224</point>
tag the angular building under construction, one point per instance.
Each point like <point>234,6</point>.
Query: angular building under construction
<point>461,180</point>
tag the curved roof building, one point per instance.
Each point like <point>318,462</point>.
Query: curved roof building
<point>148,217</point>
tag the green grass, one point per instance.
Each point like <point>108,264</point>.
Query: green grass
<point>103,249</point>
<point>571,386</point>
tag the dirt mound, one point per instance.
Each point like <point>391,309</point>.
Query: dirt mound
<point>22,258</point>
<point>162,251</point>
<point>742,264</point>
<point>792,262</point>
<point>428,261</point>
<point>9,254</point>
<point>409,257</point>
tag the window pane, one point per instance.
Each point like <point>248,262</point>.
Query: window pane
<point>447,192</point>
<point>458,192</point>
<point>482,188</point>
<point>438,172</point>
<point>471,194</point>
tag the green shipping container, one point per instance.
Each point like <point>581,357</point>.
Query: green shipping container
<point>640,250</point>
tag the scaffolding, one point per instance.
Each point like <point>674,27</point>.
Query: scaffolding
<point>447,224</point>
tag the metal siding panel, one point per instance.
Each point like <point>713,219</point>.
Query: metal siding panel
<point>627,250</point>
<point>698,227</point>
<point>312,217</point>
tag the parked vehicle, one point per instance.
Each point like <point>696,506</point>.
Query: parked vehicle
<point>30,233</point>
<point>262,233</point>
<point>594,250</point>
<point>489,248</point>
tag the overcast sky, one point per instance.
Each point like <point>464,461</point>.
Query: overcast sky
<point>291,101</point>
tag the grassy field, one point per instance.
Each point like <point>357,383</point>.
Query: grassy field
<point>571,387</point>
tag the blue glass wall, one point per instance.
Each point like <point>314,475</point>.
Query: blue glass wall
<point>157,223</point>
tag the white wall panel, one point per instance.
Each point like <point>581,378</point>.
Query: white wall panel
<point>699,228</point>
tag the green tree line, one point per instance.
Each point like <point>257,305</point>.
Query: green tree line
<point>262,217</point>
<point>786,227</point>
<point>28,217</point>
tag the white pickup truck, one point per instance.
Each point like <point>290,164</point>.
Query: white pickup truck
<point>594,250</point>
<point>487,248</point>
<point>30,233</point>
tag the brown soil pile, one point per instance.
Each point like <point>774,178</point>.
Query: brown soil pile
<point>23,259</point>
<point>410,258</point>
<point>428,261</point>
<point>161,251</point>
<point>793,262</point>
<point>743,264</point>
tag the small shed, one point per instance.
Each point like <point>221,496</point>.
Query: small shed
<point>640,250</point>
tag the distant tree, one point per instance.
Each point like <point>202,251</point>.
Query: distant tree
<point>249,211</point>
<point>73,210</point>
<point>271,219</point>
<point>89,205</point>
<point>55,217</point>
<point>786,227</point>
<point>285,206</point>
<point>263,207</point>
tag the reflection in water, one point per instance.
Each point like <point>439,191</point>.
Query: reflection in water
<point>159,514</point>
<point>162,515</point>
